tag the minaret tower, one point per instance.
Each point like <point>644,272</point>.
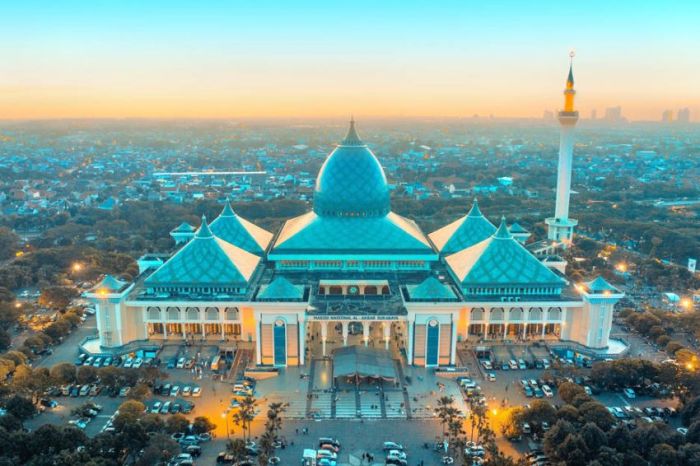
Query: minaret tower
<point>560,228</point>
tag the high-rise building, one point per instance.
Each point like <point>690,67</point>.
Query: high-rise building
<point>684,115</point>
<point>667,116</point>
<point>560,228</point>
<point>613,114</point>
<point>594,114</point>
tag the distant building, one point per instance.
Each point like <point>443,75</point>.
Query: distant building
<point>684,115</point>
<point>594,114</point>
<point>613,114</point>
<point>667,116</point>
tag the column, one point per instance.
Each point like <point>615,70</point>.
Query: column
<point>409,347</point>
<point>324,335</point>
<point>183,327</point>
<point>387,334</point>
<point>223,331</point>
<point>487,319</point>
<point>365,332</point>
<point>165,330</point>
<point>345,333</point>
<point>544,325</point>
<point>204,331</point>
<point>506,315</point>
<point>302,342</point>
<point>258,348</point>
<point>453,344</point>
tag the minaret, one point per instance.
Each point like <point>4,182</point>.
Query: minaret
<point>560,228</point>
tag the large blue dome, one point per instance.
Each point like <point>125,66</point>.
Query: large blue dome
<point>351,182</point>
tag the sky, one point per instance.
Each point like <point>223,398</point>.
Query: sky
<point>299,59</point>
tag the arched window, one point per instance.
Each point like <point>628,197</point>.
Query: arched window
<point>153,313</point>
<point>516,313</point>
<point>477,313</point>
<point>211,313</point>
<point>231,313</point>
<point>497,314</point>
<point>192,313</point>
<point>535,313</point>
<point>371,290</point>
<point>385,290</point>
<point>173,313</point>
<point>554,313</point>
<point>335,290</point>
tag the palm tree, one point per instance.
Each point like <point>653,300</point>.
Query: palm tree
<point>445,405</point>
<point>245,414</point>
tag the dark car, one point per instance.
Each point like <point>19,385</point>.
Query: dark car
<point>224,458</point>
<point>117,361</point>
<point>194,450</point>
<point>172,363</point>
<point>187,408</point>
<point>74,390</point>
<point>175,408</point>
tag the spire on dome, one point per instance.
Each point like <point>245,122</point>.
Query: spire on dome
<point>204,231</point>
<point>352,138</point>
<point>570,79</point>
<point>475,211</point>
<point>227,211</point>
<point>502,232</point>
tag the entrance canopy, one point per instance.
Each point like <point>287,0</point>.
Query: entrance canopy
<point>363,362</point>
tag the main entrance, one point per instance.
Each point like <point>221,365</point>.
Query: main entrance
<point>323,336</point>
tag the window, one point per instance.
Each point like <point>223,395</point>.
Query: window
<point>280,339</point>
<point>433,343</point>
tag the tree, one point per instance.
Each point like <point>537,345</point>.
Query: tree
<point>31,382</point>
<point>139,392</point>
<point>594,437</point>
<point>568,391</point>
<point>595,412</point>
<point>57,297</point>
<point>237,448</point>
<point>129,414</point>
<point>663,455</point>
<point>17,357</point>
<point>245,415</point>
<point>159,451</point>
<point>556,436</point>
<point>202,424</point>
<point>177,423</point>
<point>572,451</point>
<point>7,367</point>
<point>5,339</point>
<point>63,373</point>
<point>512,425</point>
<point>86,375</point>
<point>152,422</point>
<point>20,407</point>
<point>9,243</point>
<point>445,411</point>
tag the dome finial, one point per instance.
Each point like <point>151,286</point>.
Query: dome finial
<point>204,231</point>
<point>503,232</point>
<point>352,139</point>
<point>475,211</point>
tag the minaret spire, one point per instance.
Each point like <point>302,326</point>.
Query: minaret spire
<point>352,138</point>
<point>560,228</point>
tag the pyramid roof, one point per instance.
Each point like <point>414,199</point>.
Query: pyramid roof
<point>463,232</point>
<point>430,289</point>
<point>240,232</point>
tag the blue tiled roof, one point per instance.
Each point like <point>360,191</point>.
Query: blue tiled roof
<point>501,260</point>
<point>463,233</point>
<point>240,232</point>
<point>206,261</point>
<point>351,182</point>
<point>430,289</point>
<point>600,285</point>
<point>390,234</point>
<point>184,227</point>
<point>281,289</point>
<point>109,283</point>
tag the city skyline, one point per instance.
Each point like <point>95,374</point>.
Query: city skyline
<point>315,60</point>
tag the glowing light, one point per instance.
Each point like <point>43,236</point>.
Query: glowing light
<point>77,267</point>
<point>494,411</point>
<point>19,253</point>
<point>621,267</point>
<point>690,366</point>
<point>686,303</point>
<point>18,304</point>
<point>102,292</point>
<point>578,287</point>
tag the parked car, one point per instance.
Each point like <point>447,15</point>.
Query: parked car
<point>155,409</point>
<point>196,391</point>
<point>629,393</point>
<point>181,363</point>
<point>175,390</point>
<point>512,364</point>
<point>388,446</point>
<point>186,390</point>
<point>547,391</point>
<point>165,409</point>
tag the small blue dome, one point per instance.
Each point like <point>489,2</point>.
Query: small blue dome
<point>351,182</point>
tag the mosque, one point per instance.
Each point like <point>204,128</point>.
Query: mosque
<point>352,272</point>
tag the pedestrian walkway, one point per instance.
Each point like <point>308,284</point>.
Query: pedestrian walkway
<point>321,405</point>
<point>346,405</point>
<point>370,405</point>
<point>395,405</point>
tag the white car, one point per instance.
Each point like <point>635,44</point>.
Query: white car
<point>547,391</point>
<point>137,363</point>
<point>181,363</point>
<point>388,446</point>
<point>491,376</point>
<point>326,454</point>
<point>128,363</point>
<point>396,454</point>
<point>629,393</point>
<point>196,391</point>
<point>513,364</point>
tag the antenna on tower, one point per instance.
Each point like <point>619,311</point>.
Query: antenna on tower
<point>572,54</point>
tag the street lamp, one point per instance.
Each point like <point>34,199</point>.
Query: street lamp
<point>225,416</point>
<point>77,267</point>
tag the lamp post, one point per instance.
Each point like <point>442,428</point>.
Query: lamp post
<point>225,416</point>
